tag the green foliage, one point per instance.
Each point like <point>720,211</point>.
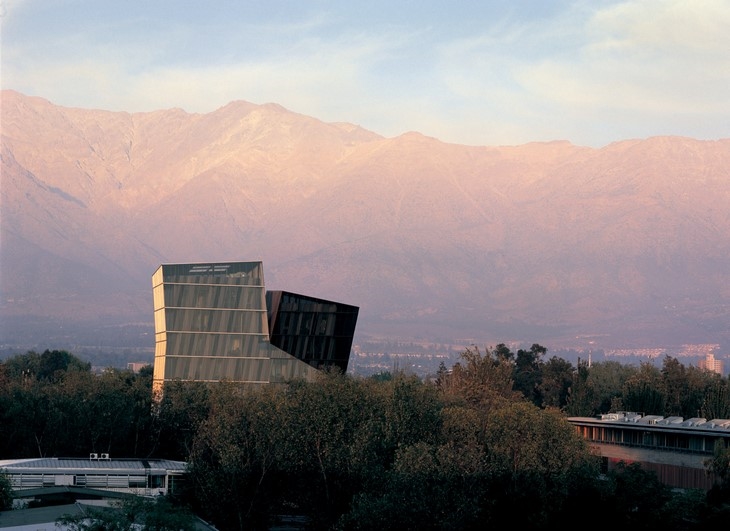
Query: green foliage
<point>716,399</point>
<point>132,514</point>
<point>51,365</point>
<point>528,373</point>
<point>644,391</point>
<point>527,443</point>
<point>51,404</point>
<point>54,363</point>
<point>231,457</point>
<point>480,380</point>
<point>177,417</point>
<point>719,465</point>
<point>675,385</point>
<point>6,491</point>
<point>487,443</point>
<point>23,366</point>
<point>465,477</point>
<point>383,376</point>
<point>411,411</point>
<point>581,398</point>
<point>638,498</point>
<point>424,490</point>
<point>607,382</point>
<point>556,382</point>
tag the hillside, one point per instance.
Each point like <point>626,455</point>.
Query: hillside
<point>627,245</point>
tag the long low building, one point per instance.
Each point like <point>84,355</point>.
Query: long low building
<point>676,449</point>
<point>99,476</point>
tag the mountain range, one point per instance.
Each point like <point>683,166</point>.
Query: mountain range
<point>623,246</point>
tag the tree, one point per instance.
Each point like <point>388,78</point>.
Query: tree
<point>520,438</point>
<point>178,415</point>
<point>52,404</point>
<point>719,464</point>
<point>532,453</point>
<point>607,381</point>
<point>581,401</point>
<point>437,479</point>
<point>6,491</point>
<point>643,391</point>
<point>132,514</point>
<point>716,404</point>
<point>527,373</point>
<point>480,379</point>
<point>698,383</point>
<point>429,487</point>
<point>502,352</point>
<point>557,380</point>
<point>675,385</point>
<point>717,508</point>
<point>53,363</point>
<point>411,411</point>
<point>22,366</point>
<point>28,417</point>
<point>341,432</point>
<point>639,500</point>
<point>230,459</point>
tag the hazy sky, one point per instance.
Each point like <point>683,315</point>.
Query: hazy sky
<point>469,72</point>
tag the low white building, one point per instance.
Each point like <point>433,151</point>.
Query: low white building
<point>95,477</point>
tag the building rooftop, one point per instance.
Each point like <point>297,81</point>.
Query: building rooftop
<point>639,419</point>
<point>93,463</point>
<point>44,518</point>
<point>38,519</point>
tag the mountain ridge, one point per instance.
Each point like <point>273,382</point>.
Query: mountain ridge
<point>543,241</point>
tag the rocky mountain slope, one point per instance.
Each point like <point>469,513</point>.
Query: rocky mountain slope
<point>545,242</point>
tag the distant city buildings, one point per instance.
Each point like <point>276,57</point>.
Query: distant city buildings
<point>136,366</point>
<point>711,364</point>
<point>215,322</point>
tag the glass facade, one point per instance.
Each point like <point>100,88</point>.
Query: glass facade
<point>212,324</point>
<point>313,330</point>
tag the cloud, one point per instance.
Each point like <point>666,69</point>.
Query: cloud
<point>650,57</point>
<point>629,69</point>
<point>588,72</point>
<point>680,27</point>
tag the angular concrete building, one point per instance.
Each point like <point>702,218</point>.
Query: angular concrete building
<point>213,323</point>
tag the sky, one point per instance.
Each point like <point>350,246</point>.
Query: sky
<point>468,72</point>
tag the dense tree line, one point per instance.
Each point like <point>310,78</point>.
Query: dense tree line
<point>484,444</point>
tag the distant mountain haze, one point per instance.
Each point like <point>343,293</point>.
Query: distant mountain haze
<point>628,245</point>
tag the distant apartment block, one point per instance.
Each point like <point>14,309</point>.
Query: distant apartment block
<point>711,364</point>
<point>137,366</point>
<point>215,322</point>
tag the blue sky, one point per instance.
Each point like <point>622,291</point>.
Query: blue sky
<point>477,72</point>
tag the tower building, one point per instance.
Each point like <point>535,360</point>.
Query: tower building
<point>213,323</point>
<point>711,363</point>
